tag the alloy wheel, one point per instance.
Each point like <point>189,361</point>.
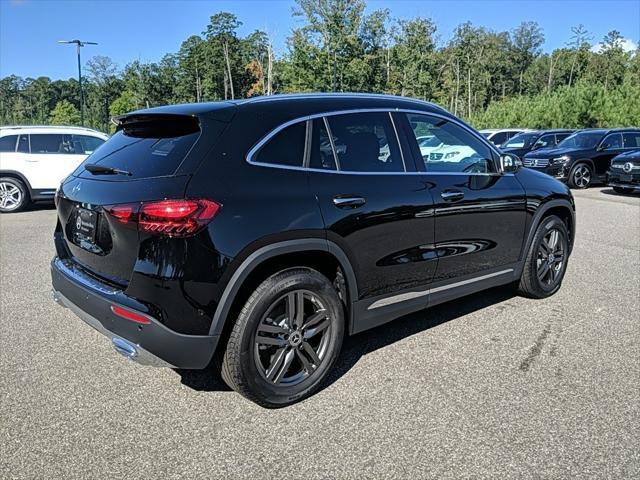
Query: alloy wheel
<point>551,257</point>
<point>292,338</point>
<point>10,196</point>
<point>582,176</point>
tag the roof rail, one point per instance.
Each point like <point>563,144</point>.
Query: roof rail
<point>289,96</point>
<point>49,126</point>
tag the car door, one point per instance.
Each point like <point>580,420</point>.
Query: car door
<point>53,156</point>
<point>375,206</point>
<point>479,213</point>
<point>610,146</point>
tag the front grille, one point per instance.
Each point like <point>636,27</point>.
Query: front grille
<point>535,162</point>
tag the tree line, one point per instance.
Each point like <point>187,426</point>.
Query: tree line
<point>493,79</point>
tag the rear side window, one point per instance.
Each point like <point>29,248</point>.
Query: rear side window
<point>8,143</point>
<point>631,140</point>
<point>365,142</point>
<point>286,147</point>
<point>145,148</point>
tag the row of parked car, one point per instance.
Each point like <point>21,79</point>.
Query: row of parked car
<point>35,159</point>
<point>580,158</point>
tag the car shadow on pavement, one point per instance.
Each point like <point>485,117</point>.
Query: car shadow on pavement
<point>612,192</point>
<point>359,345</point>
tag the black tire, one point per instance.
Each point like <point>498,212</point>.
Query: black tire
<point>531,284</point>
<point>14,195</point>
<point>581,175</point>
<point>242,362</point>
<point>623,190</point>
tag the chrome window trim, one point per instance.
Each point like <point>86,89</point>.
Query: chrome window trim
<point>254,150</point>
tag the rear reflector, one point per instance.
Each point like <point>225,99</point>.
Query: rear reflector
<point>173,218</point>
<point>130,315</point>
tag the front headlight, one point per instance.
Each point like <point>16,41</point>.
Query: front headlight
<point>560,160</point>
<point>451,154</point>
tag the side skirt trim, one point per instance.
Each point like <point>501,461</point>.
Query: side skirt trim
<point>411,295</point>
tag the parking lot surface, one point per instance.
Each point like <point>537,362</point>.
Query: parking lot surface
<point>488,386</point>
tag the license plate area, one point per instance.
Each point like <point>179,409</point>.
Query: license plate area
<point>85,224</point>
<point>625,177</point>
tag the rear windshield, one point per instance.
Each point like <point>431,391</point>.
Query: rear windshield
<point>145,149</point>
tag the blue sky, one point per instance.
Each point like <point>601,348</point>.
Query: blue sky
<point>142,29</point>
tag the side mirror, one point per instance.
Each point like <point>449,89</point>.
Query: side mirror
<point>509,163</point>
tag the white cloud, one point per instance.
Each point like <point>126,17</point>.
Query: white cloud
<point>627,45</point>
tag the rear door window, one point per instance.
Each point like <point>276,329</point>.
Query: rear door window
<point>321,157</point>
<point>49,143</point>
<point>149,148</point>
<point>365,142</point>
<point>8,143</point>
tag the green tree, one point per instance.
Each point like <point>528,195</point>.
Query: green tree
<point>64,113</point>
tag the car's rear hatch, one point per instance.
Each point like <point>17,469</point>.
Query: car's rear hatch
<point>150,158</point>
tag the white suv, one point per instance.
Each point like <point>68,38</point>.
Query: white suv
<point>34,160</point>
<point>500,136</point>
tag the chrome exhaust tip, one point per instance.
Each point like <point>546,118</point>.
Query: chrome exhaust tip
<point>124,348</point>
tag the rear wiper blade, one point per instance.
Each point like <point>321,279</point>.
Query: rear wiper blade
<point>102,170</point>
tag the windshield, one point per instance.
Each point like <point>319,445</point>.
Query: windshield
<point>581,140</point>
<point>523,140</point>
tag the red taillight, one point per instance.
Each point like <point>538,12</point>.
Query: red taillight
<point>123,213</point>
<point>173,218</point>
<point>130,315</point>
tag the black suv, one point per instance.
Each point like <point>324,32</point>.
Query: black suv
<point>585,156</point>
<point>624,175</point>
<point>257,233</point>
<point>528,141</point>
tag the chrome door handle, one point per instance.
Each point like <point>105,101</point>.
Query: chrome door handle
<point>349,201</point>
<point>452,195</point>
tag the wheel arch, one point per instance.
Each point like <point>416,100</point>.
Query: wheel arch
<point>17,175</point>
<point>562,208</point>
<point>320,254</point>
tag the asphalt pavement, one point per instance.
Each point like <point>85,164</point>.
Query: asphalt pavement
<point>490,386</point>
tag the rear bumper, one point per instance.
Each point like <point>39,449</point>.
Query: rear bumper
<point>149,344</point>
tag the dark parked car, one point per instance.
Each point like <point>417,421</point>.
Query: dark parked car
<point>584,157</point>
<point>535,140</point>
<point>257,233</point>
<point>624,175</point>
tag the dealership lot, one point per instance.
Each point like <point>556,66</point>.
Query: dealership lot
<point>490,385</point>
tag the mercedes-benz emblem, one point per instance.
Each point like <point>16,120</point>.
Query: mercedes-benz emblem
<point>628,167</point>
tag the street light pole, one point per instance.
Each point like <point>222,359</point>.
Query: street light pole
<point>79,43</point>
